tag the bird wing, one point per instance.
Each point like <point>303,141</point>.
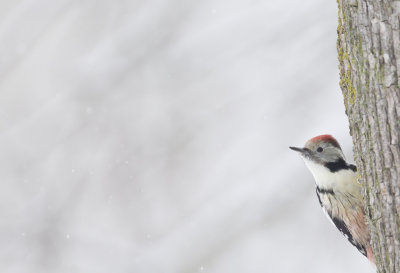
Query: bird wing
<point>327,200</point>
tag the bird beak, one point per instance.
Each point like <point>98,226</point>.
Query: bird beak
<point>304,152</point>
<point>300,150</point>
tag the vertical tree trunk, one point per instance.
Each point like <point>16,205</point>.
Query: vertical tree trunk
<point>369,60</point>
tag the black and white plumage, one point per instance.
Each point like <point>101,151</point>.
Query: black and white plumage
<point>338,190</point>
<point>336,219</point>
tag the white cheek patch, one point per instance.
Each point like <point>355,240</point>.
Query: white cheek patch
<point>342,180</point>
<point>323,177</point>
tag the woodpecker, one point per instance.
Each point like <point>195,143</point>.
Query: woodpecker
<point>338,190</point>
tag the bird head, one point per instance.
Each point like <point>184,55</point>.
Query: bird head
<point>321,149</point>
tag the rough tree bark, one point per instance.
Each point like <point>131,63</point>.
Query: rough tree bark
<point>369,60</point>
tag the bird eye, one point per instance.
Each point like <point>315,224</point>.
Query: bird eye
<point>320,149</point>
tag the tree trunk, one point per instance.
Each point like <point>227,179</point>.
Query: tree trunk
<point>369,60</point>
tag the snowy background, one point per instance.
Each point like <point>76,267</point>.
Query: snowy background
<point>152,136</point>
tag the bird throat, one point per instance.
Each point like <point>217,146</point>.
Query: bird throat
<point>325,177</point>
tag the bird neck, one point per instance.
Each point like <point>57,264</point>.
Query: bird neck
<point>329,176</point>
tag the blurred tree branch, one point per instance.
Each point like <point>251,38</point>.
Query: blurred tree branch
<point>369,60</point>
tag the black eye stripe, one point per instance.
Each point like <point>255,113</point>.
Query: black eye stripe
<point>320,149</point>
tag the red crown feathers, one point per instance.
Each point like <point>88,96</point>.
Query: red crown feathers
<point>325,138</point>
